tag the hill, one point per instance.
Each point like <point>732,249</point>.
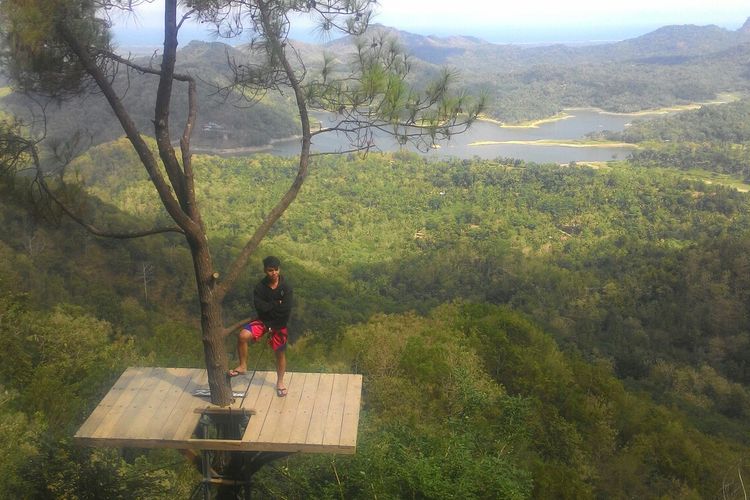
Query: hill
<point>676,40</point>
<point>712,138</point>
<point>225,118</point>
<point>525,331</point>
<point>672,65</point>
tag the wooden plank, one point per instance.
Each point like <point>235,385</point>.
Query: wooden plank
<point>238,390</point>
<point>223,411</point>
<point>131,414</point>
<point>320,410</point>
<point>296,418</point>
<point>180,379</point>
<point>216,444</point>
<point>110,426</point>
<point>281,406</point>
<point>183,406</point>
<point>252,389</point>
<point>189,419</point>
<point>143,423</point>
<point>155,408</point>
<point>332,429</point>
<point>266,395</point>
<point>350,423</point>
<point>110,399</point>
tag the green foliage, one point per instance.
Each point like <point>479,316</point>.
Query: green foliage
<point>373,90</point>
<point>712,138</point>
<point>53,370</point>
<point>20,435</point>
<point>642,273</point>
<point>59,361</point>
<point>586,423</point>
<point>725,123</point>
<point>475,401</point>
<point>636,264</point>
<point>36,53</point>
<point>62,470</point>
<point>434,424</point>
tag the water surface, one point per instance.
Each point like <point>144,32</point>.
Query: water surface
<point>580,123</point>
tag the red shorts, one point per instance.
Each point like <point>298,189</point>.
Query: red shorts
<point>277,339</point>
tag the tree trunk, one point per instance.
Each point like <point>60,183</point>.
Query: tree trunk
<point>212,325</point>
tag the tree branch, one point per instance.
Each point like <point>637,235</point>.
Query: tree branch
<point>161,108</point>
<point>228,330</point>
<point>39,179</point>
<point>132,132</point>
<point>147,70</point>
<point>107,234</point>
<point>277,49</point>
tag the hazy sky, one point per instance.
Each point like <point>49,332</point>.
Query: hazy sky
<point>514,21</point>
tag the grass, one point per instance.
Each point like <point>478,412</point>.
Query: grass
<point>717,178</point>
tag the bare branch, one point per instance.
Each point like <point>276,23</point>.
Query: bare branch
<point>150,70</point>
<point>277,48</point>
<point>17,150</point>
<point>133,134</point>
<point>237,325</point>
<point>104,233</point>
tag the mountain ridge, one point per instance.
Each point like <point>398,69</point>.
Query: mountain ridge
<point>672,65</point>
<point>681,38</point>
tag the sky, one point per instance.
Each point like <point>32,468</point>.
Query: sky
<point>502,21</point>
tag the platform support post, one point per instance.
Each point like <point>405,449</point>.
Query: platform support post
<point>206,469</point>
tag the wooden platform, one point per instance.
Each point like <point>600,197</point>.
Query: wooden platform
<point>156,408</point>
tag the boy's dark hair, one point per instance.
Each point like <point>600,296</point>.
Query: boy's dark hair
<point>271,261</point>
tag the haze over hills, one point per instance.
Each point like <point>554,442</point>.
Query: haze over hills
<point>671,65</point>
<point>676,40</point>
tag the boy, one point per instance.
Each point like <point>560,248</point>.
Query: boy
<point>272,297</point>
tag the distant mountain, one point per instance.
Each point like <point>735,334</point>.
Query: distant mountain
<point>671,65</point>
<point>685,41</point>
<point>432,49</point>
<point>677,40</point>
<point>225,119</point>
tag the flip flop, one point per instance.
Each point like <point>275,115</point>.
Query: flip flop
<point>281,391</point>
<point>235,373</point>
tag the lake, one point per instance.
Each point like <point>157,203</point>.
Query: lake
<point>580,123</point>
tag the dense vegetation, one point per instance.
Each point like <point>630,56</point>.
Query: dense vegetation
<point>712,138</point>
<point>525,331</point>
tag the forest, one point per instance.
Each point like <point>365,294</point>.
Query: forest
<point>525,331</point>
<point>713,139</point>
